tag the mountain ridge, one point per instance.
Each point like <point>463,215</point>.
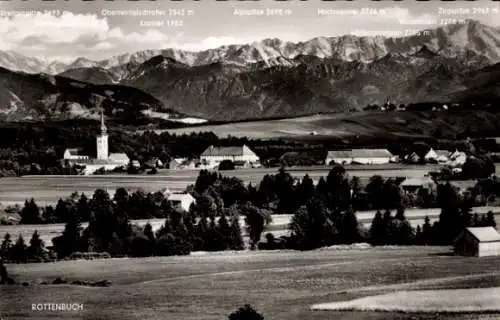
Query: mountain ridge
<point>473,35</point>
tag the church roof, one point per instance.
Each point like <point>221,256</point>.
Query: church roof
<point>73,151</point>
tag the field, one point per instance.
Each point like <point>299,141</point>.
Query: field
<point>413,125</point>
<point>278,227</point>
<point>48,189</point>
<point>268,129</point>
<point>282,285</point>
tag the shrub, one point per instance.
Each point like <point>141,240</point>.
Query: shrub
<point>246,313</point>
<point>226,165</point>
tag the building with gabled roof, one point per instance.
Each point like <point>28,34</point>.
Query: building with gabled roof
<point>437,155</point>
<point>478,242</point>
<point>74,154</point>
<point>234,153</point>
<point>182,201</point>
<point>414,184</point>
<point>119,158</point>
<point>359,156</point>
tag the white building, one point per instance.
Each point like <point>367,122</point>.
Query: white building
<point>437,155</point>
<point>359,156</point>
<point>74,155</point>
<point>119,158</point>
<point>181,201</point>
<point>218,154</point>
<point>103,160</point>
<point>457,159</point>
<point>478,242</point>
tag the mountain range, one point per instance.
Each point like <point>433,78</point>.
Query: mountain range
<point>262,79</point>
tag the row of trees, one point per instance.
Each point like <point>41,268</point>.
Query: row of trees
<point>322,215</point>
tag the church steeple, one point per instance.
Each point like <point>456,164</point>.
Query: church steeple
<point>102,141</point>
<point>103,126</point>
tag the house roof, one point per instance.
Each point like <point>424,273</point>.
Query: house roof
<point>417,182</point>
<point>118,156</point>
<point>360,153</point>
<point>484,234</point>
<point>180,197</point>
<point>73,151</point>
<point>442,153</point>
<point>339,154</point>
<point>227,151</point>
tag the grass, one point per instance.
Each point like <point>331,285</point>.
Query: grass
<point>405,125</point>
<point>48,189</point>
<point>282,285</point>
<point>480,300</point>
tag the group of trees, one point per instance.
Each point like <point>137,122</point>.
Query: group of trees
<point>20,252</point>
<point>323,215</point>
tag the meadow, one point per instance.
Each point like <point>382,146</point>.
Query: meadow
<point>48,189</point>
<point>282,285</point>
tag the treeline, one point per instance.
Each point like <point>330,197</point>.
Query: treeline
<point>37,148</point>
<point>323,215</point>
<point>109,230</point>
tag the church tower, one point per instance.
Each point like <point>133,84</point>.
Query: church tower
<point>102,141</point>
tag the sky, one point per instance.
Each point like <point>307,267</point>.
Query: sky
<point>99,29</point>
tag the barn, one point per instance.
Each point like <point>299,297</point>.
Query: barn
<point>359,156</point>
<point>478,242</point>
<point>218,154</point>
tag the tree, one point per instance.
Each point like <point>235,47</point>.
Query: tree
<point>83,209</point>
<point>70,240</point>
<point>256,220</point>
<point>6,247</point>
<point>236,238</point>
<point>375,192</point>
<point>490,220</point>
<point>49,215</point>
<point>224,230</point>
<point>148,232</point>
<point>427,234</point>
<point>402,232</point>
<point>378,230</point>
<point>62,210</point>
<point>246,313</point>
<point>226,165</point>
<point>349,228</point>
<point>18,252</point>
<point>30,214</point>
<point>339,189</point>
<point>36,247</point>
<point>312,226</point>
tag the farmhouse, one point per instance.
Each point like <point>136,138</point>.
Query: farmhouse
<point>359,156</point>
<point>180,201</point>
<point>457,159</point>
<point>218,154</point>
<point>478,242</point>
<point>412,158</point>
<point>437,155</point>
<point>413,185</point>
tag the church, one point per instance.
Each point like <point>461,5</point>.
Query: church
<point>104,159</point>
